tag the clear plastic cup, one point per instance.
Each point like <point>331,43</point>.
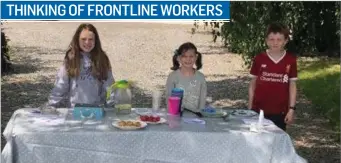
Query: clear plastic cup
<point>156,103</point>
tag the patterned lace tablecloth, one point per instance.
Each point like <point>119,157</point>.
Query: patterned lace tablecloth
<point>35,138</point>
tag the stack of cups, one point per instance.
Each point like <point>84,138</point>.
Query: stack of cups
<point>156,100</point>
<point>173,105</point>
<point>176,95</point>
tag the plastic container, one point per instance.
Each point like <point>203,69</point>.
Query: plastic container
<point>173,105</point>
<point>178,92</point>
<point>122,96</point>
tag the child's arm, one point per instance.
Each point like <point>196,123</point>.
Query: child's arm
<point>61,88</point>
<point>289,118</point>
<point>292,83</point>
<point>106,84</point>
<point>292,93</point>
<point>252,87</point>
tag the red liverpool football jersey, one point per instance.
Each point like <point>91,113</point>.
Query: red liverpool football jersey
<point>272,83</point>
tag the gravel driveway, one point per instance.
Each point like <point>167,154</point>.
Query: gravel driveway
<point>140,52</point>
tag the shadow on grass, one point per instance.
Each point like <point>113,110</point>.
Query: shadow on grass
<point>320,83</point>
<point>22,93</point>
<point>29,65</point>
<point>322,90</point>
<point>19,95</point>
<point>26,50</point>
<point>315,140</point>
<point>313,64</point>
<point>332,154</point>
<point>23,63</point>
<point>324,93</point>
<point>318,140</point>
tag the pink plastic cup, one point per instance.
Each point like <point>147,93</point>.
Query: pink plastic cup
<point>173,105</point>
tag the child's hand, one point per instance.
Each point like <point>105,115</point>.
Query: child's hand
<point>289,118</point>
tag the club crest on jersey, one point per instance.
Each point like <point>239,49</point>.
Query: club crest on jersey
<point>263,66</point>
<point>285,78</point>
<point>287,69</point>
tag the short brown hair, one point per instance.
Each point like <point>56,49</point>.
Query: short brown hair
<point>278,28</point>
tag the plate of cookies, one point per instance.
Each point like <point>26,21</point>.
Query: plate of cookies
<point>129,124</point>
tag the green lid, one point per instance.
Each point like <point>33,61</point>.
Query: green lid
<point>121,84</point>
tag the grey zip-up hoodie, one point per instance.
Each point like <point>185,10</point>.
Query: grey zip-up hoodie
<point>85,89</point>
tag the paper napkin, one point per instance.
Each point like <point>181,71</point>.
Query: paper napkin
<point>194,120</point>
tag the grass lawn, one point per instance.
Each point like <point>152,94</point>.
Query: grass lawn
<point>319,79</point>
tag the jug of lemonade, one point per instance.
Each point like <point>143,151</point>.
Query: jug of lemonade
<point>122,96</point>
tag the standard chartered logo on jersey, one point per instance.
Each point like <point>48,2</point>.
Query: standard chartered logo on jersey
<point>274,77</point>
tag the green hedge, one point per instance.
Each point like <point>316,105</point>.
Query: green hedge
<point>5,58</point>
<point>315,27</point>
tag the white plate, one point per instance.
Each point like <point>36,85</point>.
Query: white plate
<point>147,111</point>
<point>143,125</point>
<point>162,120</point>
<point>143,111</point>
<point>243,113</point>
<point>215,115</point>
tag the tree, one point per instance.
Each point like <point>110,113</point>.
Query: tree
<point>315,27</point>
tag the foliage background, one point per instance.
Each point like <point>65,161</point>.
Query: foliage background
<point>315,32</point>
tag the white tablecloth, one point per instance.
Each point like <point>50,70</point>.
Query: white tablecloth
<point>32,138</point>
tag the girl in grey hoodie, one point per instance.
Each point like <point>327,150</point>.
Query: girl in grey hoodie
<point>86,72</point>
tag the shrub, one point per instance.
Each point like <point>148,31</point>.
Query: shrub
<point>5,58</point>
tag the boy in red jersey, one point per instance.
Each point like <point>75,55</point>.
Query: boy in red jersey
<point>274,74</point>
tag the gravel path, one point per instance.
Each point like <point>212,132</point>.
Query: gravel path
<point>141,52</point>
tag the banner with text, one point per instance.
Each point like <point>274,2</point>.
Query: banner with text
<point>115,10</point>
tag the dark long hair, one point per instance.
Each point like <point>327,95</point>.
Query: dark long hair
<point>100,63</point>
<point>182,49</point>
